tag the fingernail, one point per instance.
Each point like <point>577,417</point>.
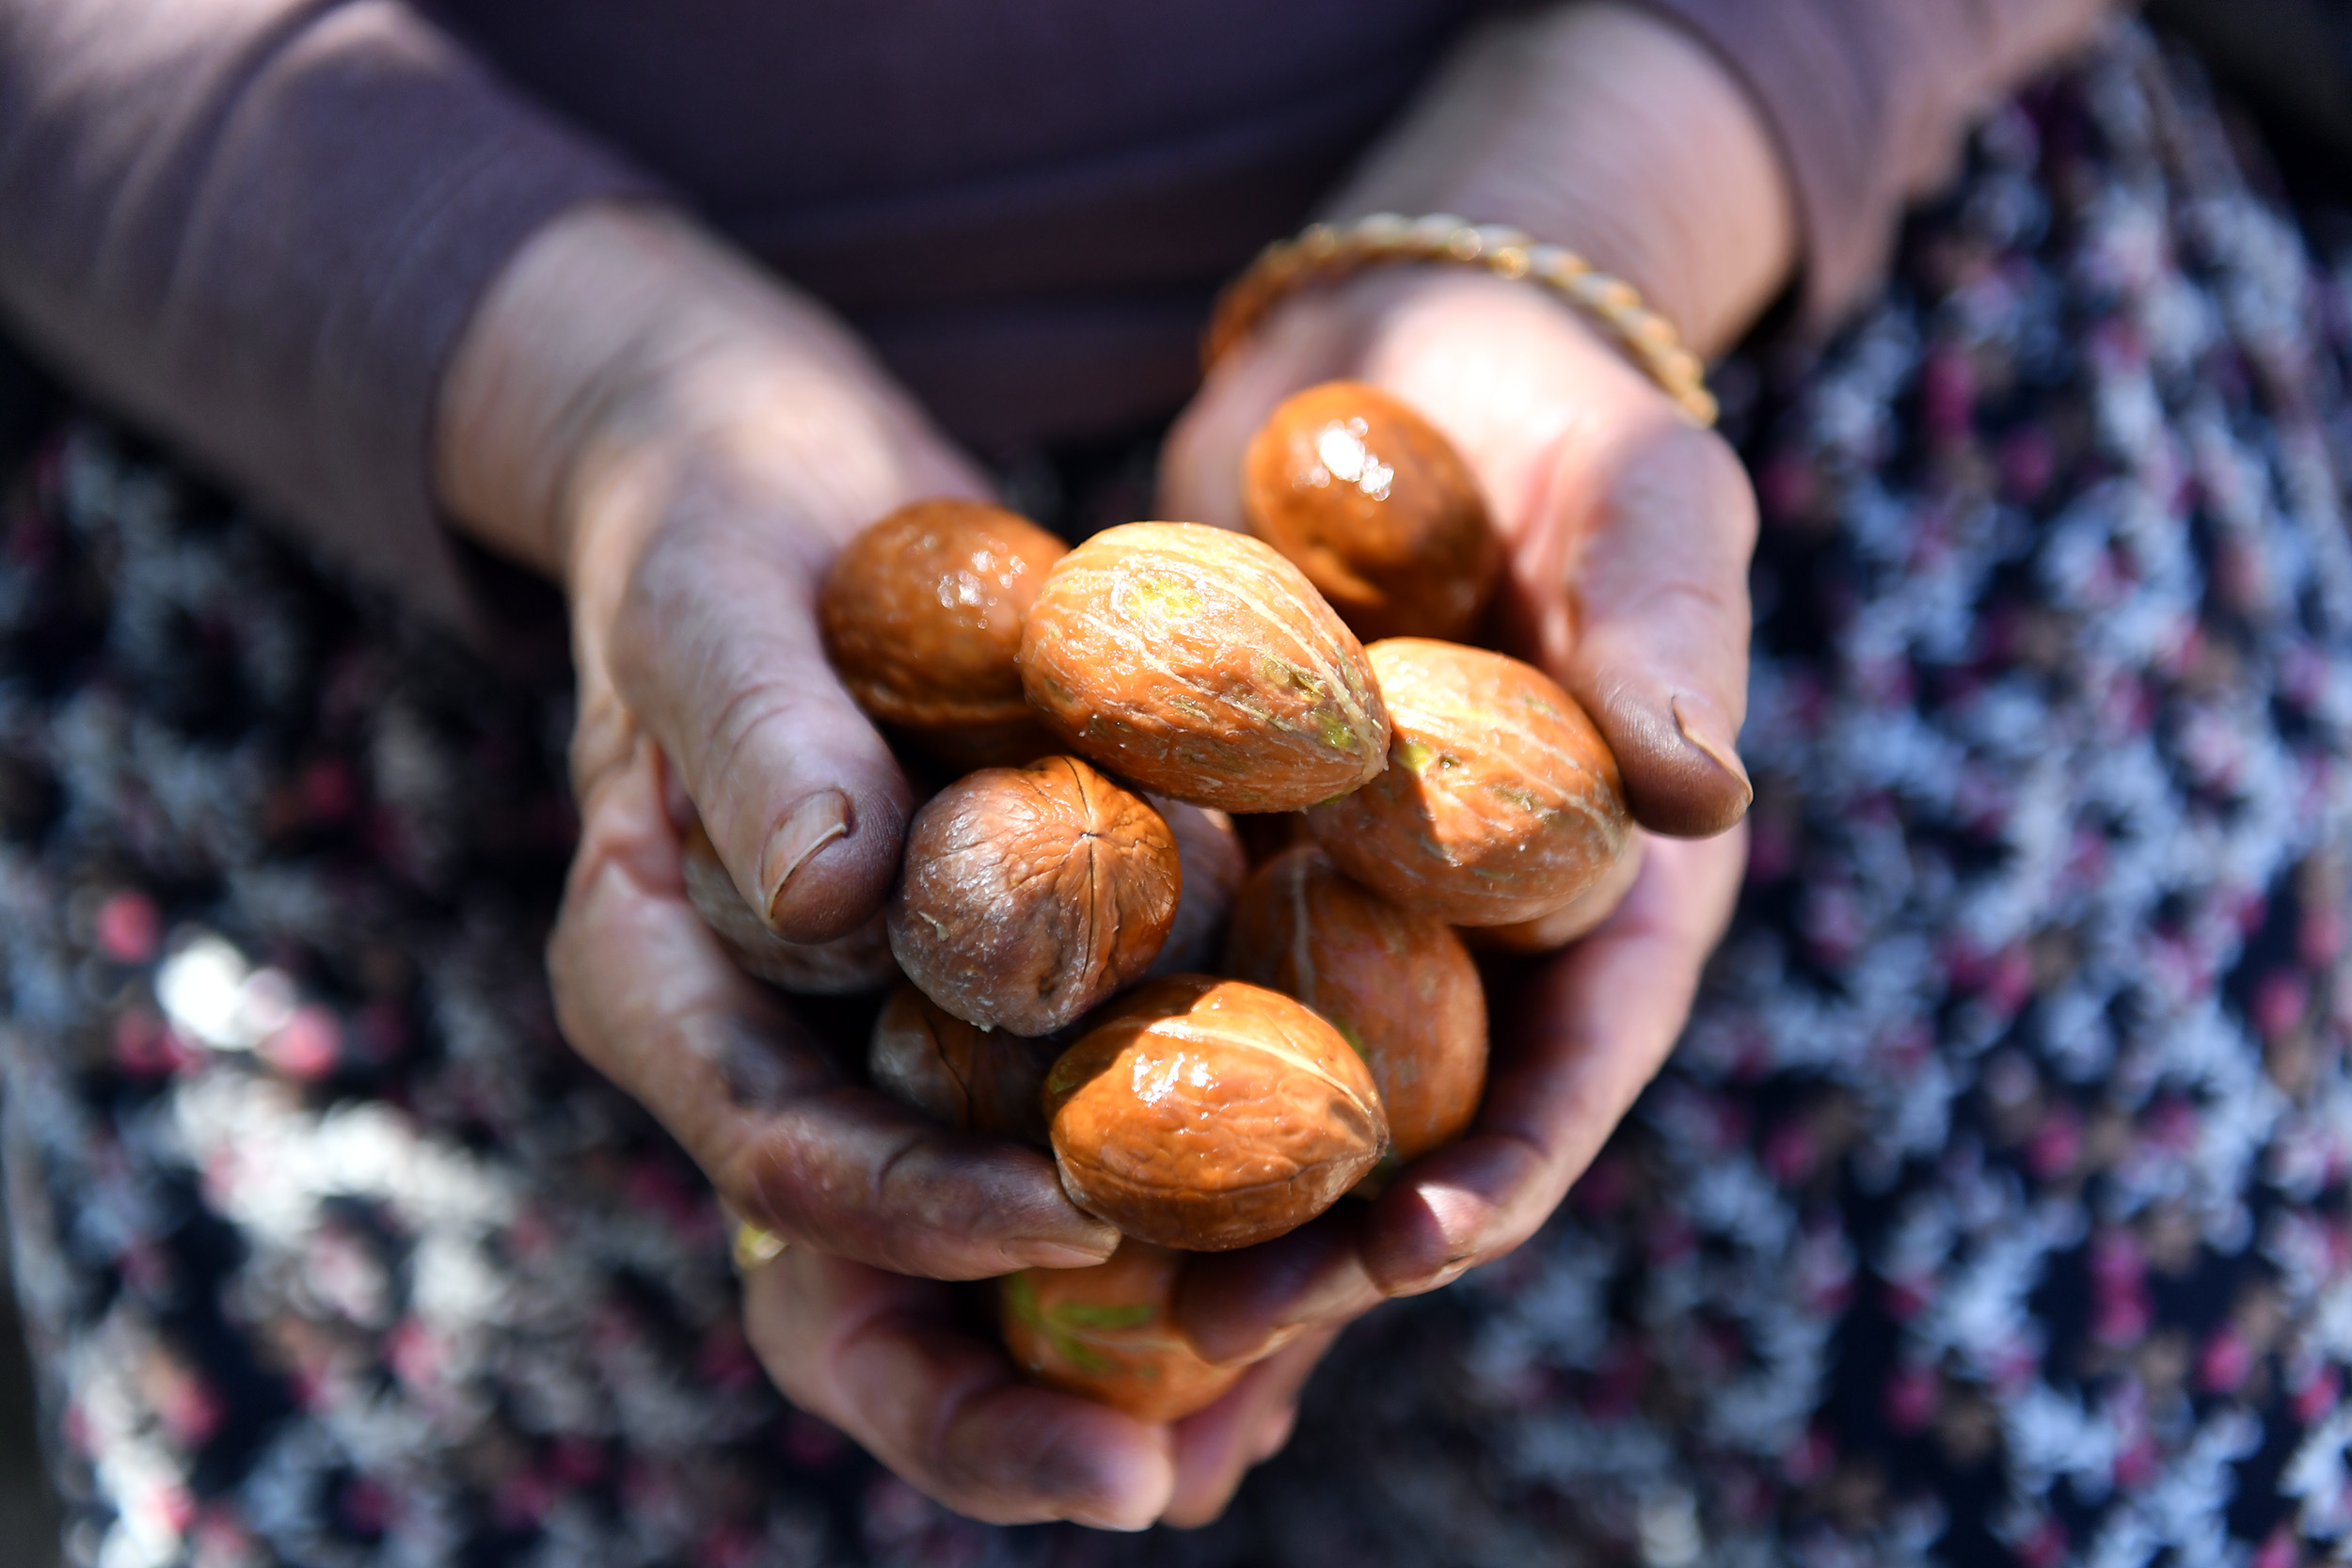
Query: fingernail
<point>815,823</point>
<point>1109,1522</point>
<point>1275,1434</point>
<point>1250,1353</point>
<point>1703,728</point>
<point>1054,1254</point>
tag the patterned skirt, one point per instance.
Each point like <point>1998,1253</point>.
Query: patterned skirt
<point>1993,1211</point>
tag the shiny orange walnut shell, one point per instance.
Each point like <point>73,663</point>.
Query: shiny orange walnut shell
<point>1501,803</point>
<point>1549,933</point>
<point>1215,865</point>
<point>845,966</point>
<point>985,1081</point>
<point>1029,895</point>
<point>922,617</point>
<point>1399,986</point>
<point>1108,1332</point>
<point>1208,1114</point>
<point>1377,508</point>
<point>1203,666</point>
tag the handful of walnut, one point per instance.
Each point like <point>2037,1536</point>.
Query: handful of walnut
<point>1056,907</point>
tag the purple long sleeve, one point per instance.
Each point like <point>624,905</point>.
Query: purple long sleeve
<point>260,225</point>
<point>1869,99</point>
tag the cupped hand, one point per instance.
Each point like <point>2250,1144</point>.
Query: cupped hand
<point>900,1367</point>
<point>687,446</point>
<point>1629,532</point>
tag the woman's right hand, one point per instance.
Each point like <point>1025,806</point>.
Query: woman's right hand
<point>686,445</point>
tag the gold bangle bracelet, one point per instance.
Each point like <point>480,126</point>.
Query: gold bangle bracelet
<point>1325,253</point>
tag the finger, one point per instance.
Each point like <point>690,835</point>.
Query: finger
<point>1649,523</point>
<point>715,648</point>
<point>1217,1447</point>
<point>886,1359</point>
<point>1590,1031</point>
<point>1236,1307</point>
<point>645,992</point>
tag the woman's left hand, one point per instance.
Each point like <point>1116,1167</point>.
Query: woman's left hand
<point>1628,533</point>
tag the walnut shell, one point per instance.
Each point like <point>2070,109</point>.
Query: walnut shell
<point>1031,893</point>
<point>1377,508</point>
<point>984,1081</point>
<point>1107,1333</point>
<point>1549,933</point>
<point>922,616</point>
<point>1200,664</point>
<point>1398,987</point>
<point>1215,865</point>
<point>845,966</point>
<point>1209,1115</point>
<point>1501,803</point>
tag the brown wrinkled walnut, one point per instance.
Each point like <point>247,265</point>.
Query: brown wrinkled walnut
<point>1501,803</point>
<point>845,966</point>
<point>1107,1333</point>
<point>985,1081</point>
<point>1209,1115</point>
<point>1031,893</point>
<point>1377,508</point>
<point>1201,665</point>
<point>922,617</point>
<point>1399,986</point>
<point>1211,853</point>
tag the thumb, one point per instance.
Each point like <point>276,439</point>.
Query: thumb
<point>715,648</point>
<point>1633,587</point>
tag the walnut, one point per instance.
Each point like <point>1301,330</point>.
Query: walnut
<point>1031,893</point>
<point>1201,665</point>
<point>1549,933</point>
<point>1501,803</point>
<point>985,1081</point>
<point>1399,986</point>
<point>1209,1115</point>
<point>1211,853</point>
<point>922,617</point>
<point>1377,508</point>
<point>1107,1333</point>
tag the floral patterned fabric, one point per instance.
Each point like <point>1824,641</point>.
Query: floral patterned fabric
<point>1994,1210</point>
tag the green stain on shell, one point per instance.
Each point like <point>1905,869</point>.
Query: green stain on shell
<point>1082,1314</point>
<point>1166,593</point>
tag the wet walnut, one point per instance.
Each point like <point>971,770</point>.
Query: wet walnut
<point>860,961</point>
<point>1031,893</point>
<point>1107,1333</point>
<point>1214,864</point>
<point>1201,665</point>
<point>1549,933</point>
<point>1400,987</point>
<point>922,616</point>
<point>1501,803</point>
<point>984,1081</point>
<point>1209,1115</point>
<point>1377,508</point>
